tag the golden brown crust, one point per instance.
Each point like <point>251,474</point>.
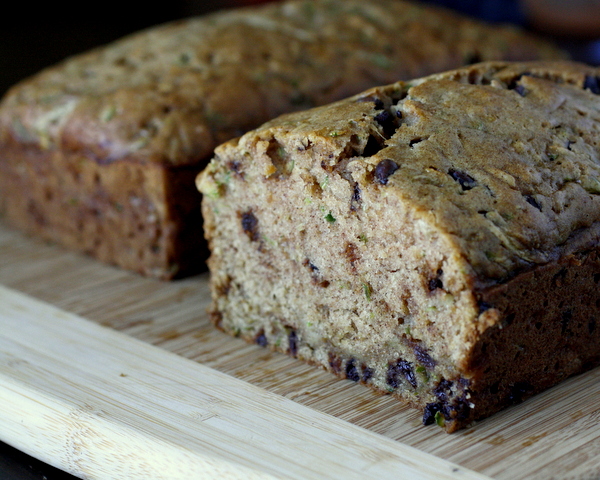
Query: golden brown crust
<point>70,198</point>
<point>501,157</point>
<point>411,237</point>
<point>172,93</point>
<point>163,98</point>
<point>544,329</point>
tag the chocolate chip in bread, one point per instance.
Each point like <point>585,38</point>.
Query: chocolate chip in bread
<point>445,252</point>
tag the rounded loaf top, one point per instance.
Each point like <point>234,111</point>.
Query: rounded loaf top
<point>501,158</point>
<point>171,93</point>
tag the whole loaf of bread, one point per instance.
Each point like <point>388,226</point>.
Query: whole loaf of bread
<point>100,152</point>
<point>437,239</point>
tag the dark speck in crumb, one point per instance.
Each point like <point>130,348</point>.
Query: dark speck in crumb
<point>352,371</point>
<point>372,147</point>
<point>401,367</point>
<point>442,391</point>
<point>250,225</point>
<point>465,180</point>
<point>293,343</point>
<point>386,120</point>
<point>533,202</point>
<point>434,284</point>
<point>312,267</point>
<point>415,141</point>
<point>356,198</point>
<point>423,356</point>
<point>429,413</point>
<point>261,339</point>
<point>356,192</point>
<point>235,166</point>
<point>520,89</point>
<point>384,169</point>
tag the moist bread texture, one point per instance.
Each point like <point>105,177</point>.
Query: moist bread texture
<point>435,239</point>
<point>100,152</point>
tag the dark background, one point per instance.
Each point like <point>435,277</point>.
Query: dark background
<point>32,37</point>
<point>35,36</point>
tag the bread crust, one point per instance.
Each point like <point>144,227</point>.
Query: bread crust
<point>435,239</point>
<point>160,100</point>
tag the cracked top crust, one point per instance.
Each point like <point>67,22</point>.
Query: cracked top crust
<point>501,158</point>
<point>170,94</point>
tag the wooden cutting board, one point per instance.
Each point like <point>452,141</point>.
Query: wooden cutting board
<point>106,374</point>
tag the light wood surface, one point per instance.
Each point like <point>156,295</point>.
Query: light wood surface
<point>80,396</point>
<point>103,405</point>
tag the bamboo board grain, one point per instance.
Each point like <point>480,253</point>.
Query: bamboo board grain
<point>102,405</point>
<point>554,435</point>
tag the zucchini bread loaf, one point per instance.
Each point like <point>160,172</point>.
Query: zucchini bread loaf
<point>436,239</point>
<point>100,152</point>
